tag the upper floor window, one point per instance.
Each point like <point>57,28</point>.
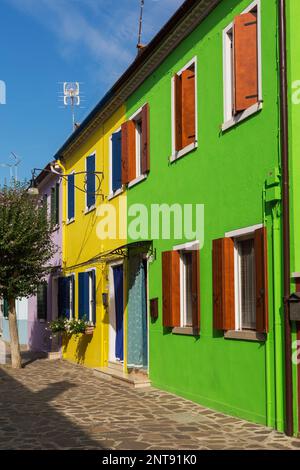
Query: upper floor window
<point>136,147</point>
<point>184,111</point>
<point>116,162</point>
<point>71,197</point>
<point>90,182</point>
<point>242,66</point>
<point>55,204</point>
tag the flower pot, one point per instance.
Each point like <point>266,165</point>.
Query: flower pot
<point>89,330</point>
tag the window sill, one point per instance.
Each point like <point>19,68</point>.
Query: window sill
<point>246,335</point>
<point>137,180</point>
<point>186,330</point>
<point>89,209</point>
<point>115,194</point>
<point>181,153</point>
<point>242,116</point>
<point>70,221</point>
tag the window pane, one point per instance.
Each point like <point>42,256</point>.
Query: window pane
<point>188,290</point>
<point>117,160</point>
<point>139,150</point>
<point>90,181</point>
<point>247,284</point>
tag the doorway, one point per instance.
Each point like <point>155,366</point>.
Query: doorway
<point>116,314</point>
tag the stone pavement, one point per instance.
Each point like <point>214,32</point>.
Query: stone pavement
<point>58,405</point>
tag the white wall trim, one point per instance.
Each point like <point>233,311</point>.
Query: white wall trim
<point>243,231</point>
<point>187,246</point>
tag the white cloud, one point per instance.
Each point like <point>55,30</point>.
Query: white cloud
<point>103,30</point>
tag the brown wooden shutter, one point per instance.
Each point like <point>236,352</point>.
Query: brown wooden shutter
<point>171,288</point>
<point>178,112</point>
<point>261,270</point>
<point>128,152</point>
<point>196,288</point>
<point>223,284</point>
<point>245,61</point>
<point>145,139</point>
<point>188,107</point>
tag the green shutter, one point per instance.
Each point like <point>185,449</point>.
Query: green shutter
<point>57,204</point>
<point>53,206</point>
<point>42,302</point>
<point>5,308</point>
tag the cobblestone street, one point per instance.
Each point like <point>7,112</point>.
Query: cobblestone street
<point>58,405</point>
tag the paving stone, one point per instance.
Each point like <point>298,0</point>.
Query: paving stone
<point>59,405</point>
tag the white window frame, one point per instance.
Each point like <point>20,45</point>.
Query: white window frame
<point>118,191</point>
<point>69,221</point>
<point>93,207</point>
<point>229,119</point>
<point>71,306</point>
<point>184,248</point>
<point>237,235</point>
<point>139,176</point>
<point>183,312</point>
<point>189,148</point>
<point>91,301</point>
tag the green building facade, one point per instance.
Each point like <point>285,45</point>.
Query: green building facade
<point>229,161</point>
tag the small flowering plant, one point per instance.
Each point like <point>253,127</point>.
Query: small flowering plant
<point>72,326</point>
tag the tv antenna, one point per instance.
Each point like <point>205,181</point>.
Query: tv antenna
<point>141,46</point>
<point>71,97</point>
<point>13,167</point>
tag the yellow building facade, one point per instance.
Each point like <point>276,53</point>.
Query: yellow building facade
<point>87,248</point>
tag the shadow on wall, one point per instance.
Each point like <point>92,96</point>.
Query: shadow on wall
<point>31,422</point>
<point>39,337</point>
<point>82,343</point>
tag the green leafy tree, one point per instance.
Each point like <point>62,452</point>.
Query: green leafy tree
<point>26,247</point>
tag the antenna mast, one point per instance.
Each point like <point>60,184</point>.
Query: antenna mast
<point>140,46</point>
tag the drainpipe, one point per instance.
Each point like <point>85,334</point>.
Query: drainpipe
<point>286,216</point>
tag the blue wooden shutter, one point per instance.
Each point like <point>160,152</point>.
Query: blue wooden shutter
<point>73,295</point>
<point>83,295</point>
<point>90,181</point>
<point>71,196</point>
<point>63,297</point>
<point>117,160</point>
<point>93,277</point>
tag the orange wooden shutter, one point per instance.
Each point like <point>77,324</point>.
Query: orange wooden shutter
<point>188,107</point>
<point>245,61</point>
<point>171,288</point>
<point>223,284</point>
<point>178,112</point>
<point>261,270</point>
<point>128,152</point>
<point>145,139</point>
<point>196,288</point>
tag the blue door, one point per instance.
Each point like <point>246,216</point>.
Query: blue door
<point>119,309</point>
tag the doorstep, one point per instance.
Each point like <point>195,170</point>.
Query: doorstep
<point>133,379</point>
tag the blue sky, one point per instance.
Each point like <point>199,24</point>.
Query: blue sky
<point>45,42</point>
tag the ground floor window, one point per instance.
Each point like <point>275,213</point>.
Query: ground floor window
<point>245,284</point>
<point>87,296</point>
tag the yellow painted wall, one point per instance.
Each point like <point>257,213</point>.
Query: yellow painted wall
<point>81,243</point>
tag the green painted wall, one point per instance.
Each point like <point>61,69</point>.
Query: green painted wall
<point>226,173</point>
<point>293,44</point>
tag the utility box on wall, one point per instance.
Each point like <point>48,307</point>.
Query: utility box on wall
<point>294,301</point>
